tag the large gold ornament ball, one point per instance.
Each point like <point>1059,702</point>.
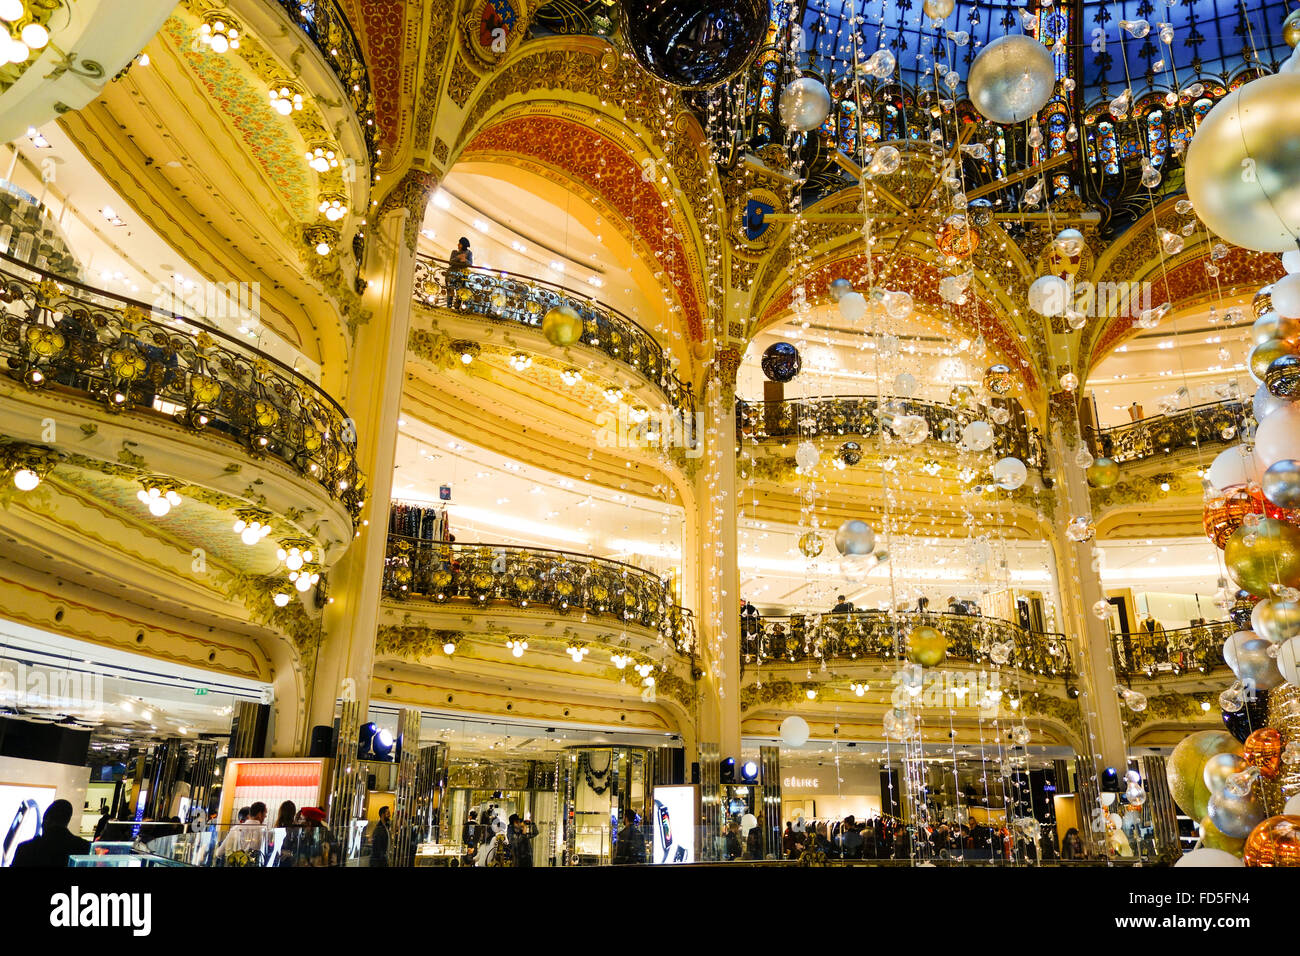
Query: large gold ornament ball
<point>1103,472</point>
<point>1216,839</point>
<point>562,325</point>
<point>1265,354</point>
<point>810,544</point>
<point>926,646</point>
<point>1291,29</point>
<point>1186,769</point>
<point>998,379</point>
<point>1242,170</point>
<point>1264,555</point>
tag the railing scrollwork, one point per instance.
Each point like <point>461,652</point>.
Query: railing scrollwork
<point>492,574</point>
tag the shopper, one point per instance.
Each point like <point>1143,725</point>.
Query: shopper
<point>754,843</point>
<point>461,258</point>
<point>842,605</point>
<point>379,839</point>
<point>246,840</point>
<point>630,848</point>
<point>733,850</point>
<point>317,845</point>
<point>56,842</point>
<point>521,834</point>
<point>850,839</point>
<point>470,837</point>
<point>287,827</point>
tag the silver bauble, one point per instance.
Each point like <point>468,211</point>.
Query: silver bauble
<point>1219,768</point>
<point>805,104</point>
<point>1011,79</point>
<point>855,537</point>
<point>1266,403</point>
<point>1247,655</point>
<point>1276,620</point>
<point>1243,170</point>
<point>1049,295</point>
<point>1235,816</point>
<point>1281,483</point>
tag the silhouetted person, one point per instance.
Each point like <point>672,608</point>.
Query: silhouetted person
<point>55,844</point>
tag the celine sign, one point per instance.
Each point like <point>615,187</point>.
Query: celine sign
<point>801,783</point>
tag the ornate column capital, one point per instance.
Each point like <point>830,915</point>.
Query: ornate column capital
<point>411,193</point>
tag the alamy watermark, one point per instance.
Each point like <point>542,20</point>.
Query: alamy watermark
<point>23,685</point>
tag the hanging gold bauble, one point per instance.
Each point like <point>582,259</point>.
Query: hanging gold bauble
<point>562,325</point>
<point>1241,172</point>
<point>1264,354</point>
<point>1103,472</point>
<point>1064,255</point>
<point>926,646</point>
<point>1185,769</point>
<point>1264,555</point>
<point>1224,514</point>
<point>811,544</point>
<point>998,379</point>
<point>1291,29</point>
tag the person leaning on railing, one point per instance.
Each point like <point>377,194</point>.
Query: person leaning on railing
<point>460,261</point>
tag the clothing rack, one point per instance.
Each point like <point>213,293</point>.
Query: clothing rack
<point>422,521</point>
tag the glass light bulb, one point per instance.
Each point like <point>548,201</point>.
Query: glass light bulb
<point>35,36</point>
<point>449,648</point>
<point>158,507</point>
<point>303,583</point>
<point>25,479</point>
<point>11,9</point>
<point>280,599</point>
<point>517,650</point>
<point>219,43</point>
<point>293,560</point>
<point>249,536</point>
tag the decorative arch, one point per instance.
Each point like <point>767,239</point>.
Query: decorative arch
<point>606,172</point>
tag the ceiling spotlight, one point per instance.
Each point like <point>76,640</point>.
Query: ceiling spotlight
<point>811,693</point>
<point>37,138</point>
<point>449,646</point>
<point>749,771</point>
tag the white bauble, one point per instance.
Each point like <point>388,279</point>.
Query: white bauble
<point>1049,295</point>
<point>1266,403</point>
<point>1233,467</point>
<point>1011,79</point>
<point>1288,661</point>
<point>853,306</point>
<point>1286,296</point>
<point>1291,261</point>
<point>1278,436</point>
<point>794,731</point>
<point>977,436</point>
<point>1010,473</point>
<point>1209,857</point>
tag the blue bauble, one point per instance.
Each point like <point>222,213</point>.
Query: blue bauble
<point>781,362</point>
<point>694,44</point>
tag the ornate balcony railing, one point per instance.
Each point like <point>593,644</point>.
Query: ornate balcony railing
<point>1198,648</point>
<point>878,636</point>
<point>858,416</point>
<point>508,297</point>
<point>329,30</point>
<point>1212,424</point>
<point>59,334</point>
<point>563,581</point>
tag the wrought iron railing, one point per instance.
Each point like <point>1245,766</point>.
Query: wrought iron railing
<point>563,581</point>
<point>329,30</point>
<point>1184,650</point>
<point>858,416</point>
<point>881,635</point>
<point>59,334</point>
<point>522,300</point>
<point>1212,424</point>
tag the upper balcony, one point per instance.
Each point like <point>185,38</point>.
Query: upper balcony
<point>522,302</point>
<point>58,336</point>
<point>1182,651</point>
<point>494,578</point>
<point>860,416</point>
<point>1202,426</point>
<point>875,637</point>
